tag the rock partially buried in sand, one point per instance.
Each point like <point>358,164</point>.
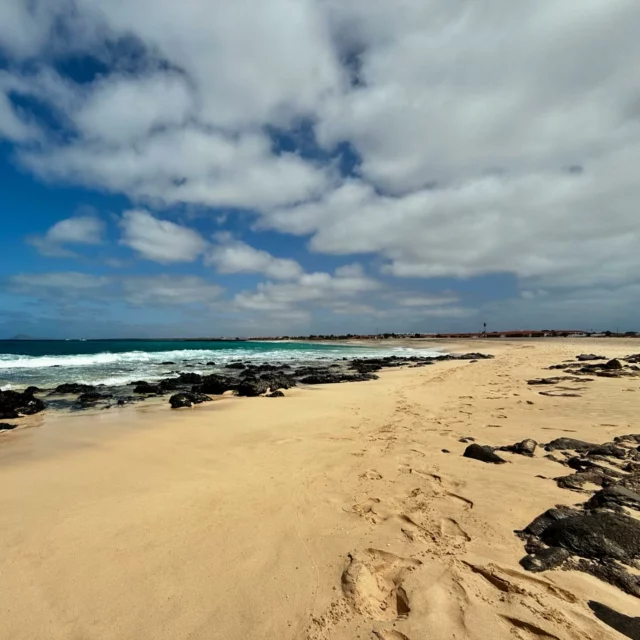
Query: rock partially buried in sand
<point>181,400</point>
<point>483,453</point>
<point>570,444</point>
<point>598,535</point>
<point>4,426</point>
<point>585,357</point>
<point>275,394</point>
<point>544,559</point>
<point>614,497</point>
<point>524,448</point>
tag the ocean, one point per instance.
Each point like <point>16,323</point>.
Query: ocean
<point>48,363</point>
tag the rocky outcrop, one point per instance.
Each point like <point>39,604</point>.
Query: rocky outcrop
<point>601,538</point>
<point>182,400</point>
<point>525,448</point>
<point>483,453</point>
<point>73,387</point>
<point>14,404</point>
<point>145,388</point>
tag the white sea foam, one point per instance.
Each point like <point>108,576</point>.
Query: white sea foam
<point>116,369</point>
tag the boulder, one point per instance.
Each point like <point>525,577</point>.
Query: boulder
<point>4,426</point>
<point>608,449</point>
<point>181,400</point>
<point>278,380</point>
<point>92,397</point>
<point>483,453</point>
<point>569,444</point>
<point>72,387</point>
<point>525,448</point>
<point>235,365</point>
<point>544,521</point>
<point>586,357</point>
<point>544,559</point>
<point>145,388</point>
<point>13,404</point>
<point>599,535</point>
<point>613,365</point>
<point>251,389</point>
<point>614,496</point>
<point>275,394</point>
<point>215,385</point>
<point>190,378</point>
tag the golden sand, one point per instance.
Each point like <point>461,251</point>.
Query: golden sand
<point>332,513</point>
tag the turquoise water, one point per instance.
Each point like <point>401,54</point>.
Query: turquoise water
<point>46,363</point>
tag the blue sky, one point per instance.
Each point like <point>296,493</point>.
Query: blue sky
<point>305,167</point>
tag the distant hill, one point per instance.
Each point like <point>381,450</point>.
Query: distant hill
<point>22,336</point>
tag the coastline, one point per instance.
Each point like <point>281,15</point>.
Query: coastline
<point>236,519</point>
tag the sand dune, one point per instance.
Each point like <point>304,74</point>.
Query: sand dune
<point>338,512</point>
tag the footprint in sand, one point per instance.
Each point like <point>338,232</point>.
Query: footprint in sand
<point>372,584</point>
<point>449,527</point>
<point>527,630</point>
<point>371,474</point>
<point>390,635</point>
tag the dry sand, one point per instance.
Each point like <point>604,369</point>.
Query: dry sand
<point>236,520</point>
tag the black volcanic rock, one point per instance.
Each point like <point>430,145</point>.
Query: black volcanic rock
<point>13,404</point>
<point>275,394</point>
<point>596,535</point>
<point>585,357</point>
<point>190,378</point>
<point>235,365</point>
<point>524,448</point>
<point>251,389</point>
<point>570,444</point>
<point>215,385</point>
<point>482,453</point>
<point>93,397</point>
<point>145,388</point>
<point>4,426</point>
<point>614,496</point>
<point>73,387</point>
<point>278,380</point>
<point>181,400</point>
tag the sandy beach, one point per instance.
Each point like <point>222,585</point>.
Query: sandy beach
<point>338,512</point>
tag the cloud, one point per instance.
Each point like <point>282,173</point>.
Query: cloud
<point>160,240</point>
<point>169,290</point>
<point>486,139</point>
<point>316,288</point>
<point>86,230</point>
<point>144,291</point>
<point>56,284</point>
<point>234,256</point>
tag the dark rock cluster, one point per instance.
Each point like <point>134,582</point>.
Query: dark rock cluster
<point>14,404</point>
<point>186,388</point>
<point>601,537</point>
<point>615,368</point>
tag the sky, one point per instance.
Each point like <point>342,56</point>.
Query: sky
<point>216,168</point>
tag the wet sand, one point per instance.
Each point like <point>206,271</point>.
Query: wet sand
<point>237,519</point>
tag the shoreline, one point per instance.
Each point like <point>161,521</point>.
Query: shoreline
<point>249,518</point>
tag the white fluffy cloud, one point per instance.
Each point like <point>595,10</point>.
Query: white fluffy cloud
<point>87,230</point>
<point>316,288</point>
<point>234,256</point>
<point>160,240</point>
<point>146,291</point>
<point>494,138</point>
